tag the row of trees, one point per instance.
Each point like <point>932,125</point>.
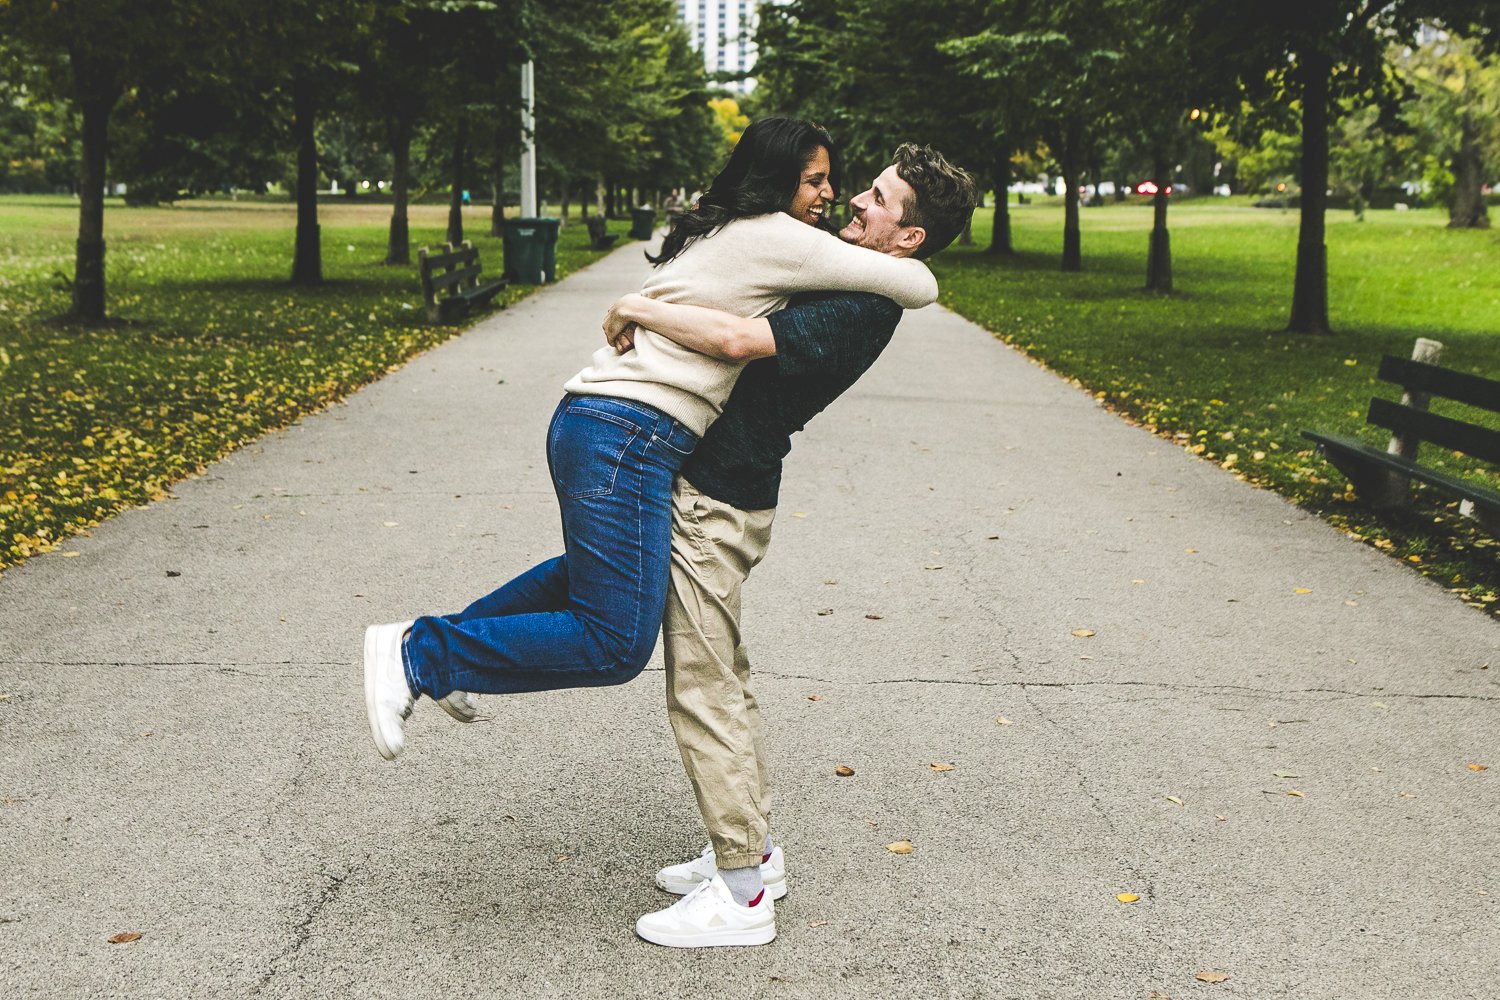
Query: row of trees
<point>1106,88</point>
<point>182,96</point>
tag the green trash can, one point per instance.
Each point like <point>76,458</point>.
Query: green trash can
<point>530,250</point>
<point>642,222</point>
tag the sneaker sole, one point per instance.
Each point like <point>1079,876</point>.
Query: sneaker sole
<point>371,659</point>
<point>775,890</point>
<point>457,714</point>
<point>716,939</point>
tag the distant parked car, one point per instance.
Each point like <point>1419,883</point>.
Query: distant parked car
<point>1148,186</point>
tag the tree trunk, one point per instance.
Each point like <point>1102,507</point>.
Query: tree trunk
<point>456,198</point>
<point>1469,210</point>
<point>398,246</point>
<point>583,200</point>
<point>566,193</point>
<point>1159,261</point>
<point>1072,258</point>
<point>88,264</point>
<point>1122,187</point>
<point>1310,293</point>
<point>497,182</point>
<point>1000,228</point>
<point>307,257</point>
<point>609,200</point>
<point>601,203</point>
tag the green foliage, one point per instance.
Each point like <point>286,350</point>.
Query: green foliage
<point>1207,371</point>
<point>209,348</point>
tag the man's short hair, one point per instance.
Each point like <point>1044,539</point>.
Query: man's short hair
<point>945,195</point>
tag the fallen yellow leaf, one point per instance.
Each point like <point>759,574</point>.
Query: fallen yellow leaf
<point>799,513</point>
<point>1303,590</point>
<point>1212,976</point>
<point>1128,897</point>
<point>125,937</point>
<point>1174,799</point>
<point>1001,720</point>
<point>814,697</point>
<point>934,566</point>
<point>1296,794</point>
<point>940,766</point>
<point>1479,767</point>
<point>900,847</point>
<point>844,771</point>
<point>1137,581</point>
<point>389,524</point>
<point>1190,550</point>
<point>1083,633</point>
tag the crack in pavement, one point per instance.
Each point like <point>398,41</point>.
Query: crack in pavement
<point>1230,689</point>
<point>302,930</point>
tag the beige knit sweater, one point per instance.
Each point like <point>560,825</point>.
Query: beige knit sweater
<point>749,268</point>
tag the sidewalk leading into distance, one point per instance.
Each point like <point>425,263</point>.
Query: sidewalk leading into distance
<point>1266,737</point>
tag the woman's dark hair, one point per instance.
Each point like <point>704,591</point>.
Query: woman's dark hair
<point>761,177</point>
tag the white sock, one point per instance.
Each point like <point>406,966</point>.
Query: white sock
<point>744,883</point>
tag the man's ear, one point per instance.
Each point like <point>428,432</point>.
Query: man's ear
<point>911,237</point>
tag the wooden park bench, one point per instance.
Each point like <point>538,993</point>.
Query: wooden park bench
<point>599,236</point>
<point>450,282</point>
<point>1382,478</point>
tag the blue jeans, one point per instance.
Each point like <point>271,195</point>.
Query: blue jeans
<point>589,617</point>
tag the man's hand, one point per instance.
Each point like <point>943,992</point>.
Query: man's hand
<point>624,340</point>
<point>619,326</point>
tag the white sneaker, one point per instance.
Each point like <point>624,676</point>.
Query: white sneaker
<point>709,917</point>
<point>388,701</point>
<point>461,705</point>
<point>684,878</point>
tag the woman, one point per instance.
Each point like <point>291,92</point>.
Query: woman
<point>590,616</point>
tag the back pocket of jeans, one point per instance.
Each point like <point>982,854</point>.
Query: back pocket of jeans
<point>587,447</point>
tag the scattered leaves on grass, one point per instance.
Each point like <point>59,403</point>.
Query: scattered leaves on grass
<point>1083,633</point>
<point>844,771</point>
<point>900,847</point>
<point>125,937</point>
<point>1127,897</point>
<point>1212,976</point>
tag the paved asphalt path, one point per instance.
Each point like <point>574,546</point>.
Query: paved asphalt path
<point>184,754</point>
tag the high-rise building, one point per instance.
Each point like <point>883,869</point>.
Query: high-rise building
<point>724,32</point>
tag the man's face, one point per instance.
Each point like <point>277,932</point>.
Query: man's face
<point>877,217</point>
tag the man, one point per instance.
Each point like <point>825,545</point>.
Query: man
<point>724,502</point>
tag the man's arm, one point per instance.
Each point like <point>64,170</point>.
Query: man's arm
<point>709,331</point>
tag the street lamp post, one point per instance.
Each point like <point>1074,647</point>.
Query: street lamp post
<point>528,140</point>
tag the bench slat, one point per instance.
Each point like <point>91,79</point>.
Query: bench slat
<point>458,276</point>
<point>1472,440</point>
<point>1461,387</point>
<point>448,258</point>
<point>1481,496</point>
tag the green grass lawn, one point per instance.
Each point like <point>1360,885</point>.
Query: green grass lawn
<point>208,346</point>
<point>1210,368</point>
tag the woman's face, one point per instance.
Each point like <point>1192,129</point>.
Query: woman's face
<point>814,193</point>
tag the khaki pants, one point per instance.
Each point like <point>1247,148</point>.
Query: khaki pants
<point>713,711</point>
